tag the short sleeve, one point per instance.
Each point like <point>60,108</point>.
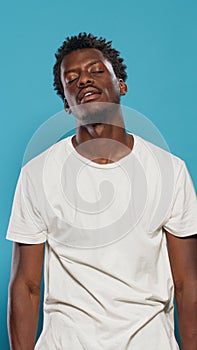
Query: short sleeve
<point>26,224</point>
<point>182,221</point>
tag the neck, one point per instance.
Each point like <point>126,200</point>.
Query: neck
<point>103,142</point>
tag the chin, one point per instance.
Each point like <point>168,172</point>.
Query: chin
<point>95,112</point>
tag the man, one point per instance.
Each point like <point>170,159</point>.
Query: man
<point>104,202</point>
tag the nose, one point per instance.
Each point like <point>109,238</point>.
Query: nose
<point>85,78</point>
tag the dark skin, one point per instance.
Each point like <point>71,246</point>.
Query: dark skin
<point>24,295</point>
<point>79,77</point>
<point>183,260</point>
<point>92,73</point>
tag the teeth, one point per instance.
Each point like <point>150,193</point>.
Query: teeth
<point>88,93</point>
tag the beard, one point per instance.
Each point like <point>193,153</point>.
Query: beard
<point>95,112</point>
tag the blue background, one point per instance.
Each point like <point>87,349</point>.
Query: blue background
<point>157,40</point>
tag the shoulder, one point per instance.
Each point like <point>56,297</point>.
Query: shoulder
<point>149,152</point>
<point>57,152</point>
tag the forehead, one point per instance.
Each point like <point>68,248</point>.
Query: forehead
<point>81,57</point>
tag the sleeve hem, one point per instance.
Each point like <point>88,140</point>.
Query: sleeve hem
<point>21,238</point>
<point>183,234</point>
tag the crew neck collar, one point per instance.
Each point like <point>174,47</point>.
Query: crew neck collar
<point>97,165</point>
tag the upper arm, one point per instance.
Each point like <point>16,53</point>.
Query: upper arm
<point>27,264</point>
<point>183,259</point>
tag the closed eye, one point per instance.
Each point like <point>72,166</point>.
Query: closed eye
<point>71,81</point>
<point>97,71</point>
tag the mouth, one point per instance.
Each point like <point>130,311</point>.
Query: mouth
<point>89,94</point>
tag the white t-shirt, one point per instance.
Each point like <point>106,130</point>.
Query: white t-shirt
<point>108,282</point>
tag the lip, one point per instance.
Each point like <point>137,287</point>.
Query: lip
<point>90,98</point>
<point>95,93</point>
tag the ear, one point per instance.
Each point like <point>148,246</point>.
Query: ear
<point>123,87</point>
<point>66,106</point>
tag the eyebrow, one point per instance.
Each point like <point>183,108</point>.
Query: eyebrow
<point>88,65</point>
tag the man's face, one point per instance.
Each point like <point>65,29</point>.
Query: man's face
<point>90,85</point>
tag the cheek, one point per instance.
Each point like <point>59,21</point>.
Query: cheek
<point>69,96</point>
<point>112,89</point>
<point>116,86</point>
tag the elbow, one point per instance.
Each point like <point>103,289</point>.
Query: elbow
<point>21,290</point>
<point>33,288</point>
<point>186,291</point>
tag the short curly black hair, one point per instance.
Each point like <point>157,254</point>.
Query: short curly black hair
<point>81,41</point>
